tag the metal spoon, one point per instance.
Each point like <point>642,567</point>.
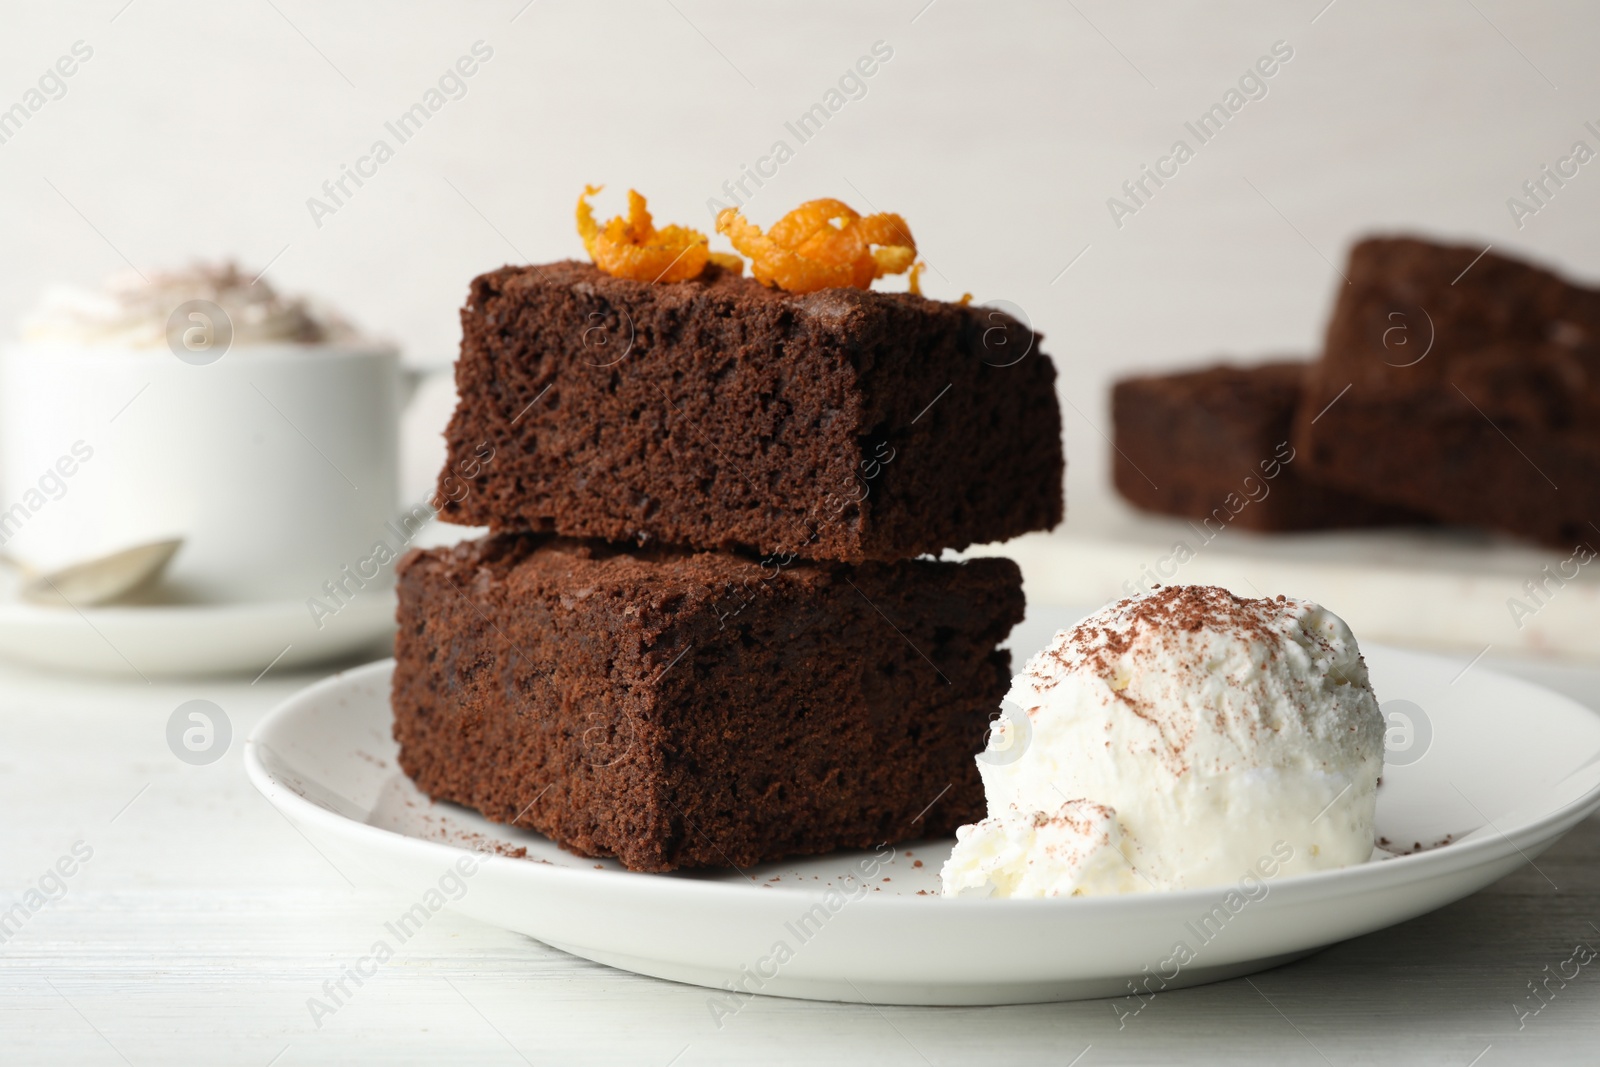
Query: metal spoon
<point>99,580</point>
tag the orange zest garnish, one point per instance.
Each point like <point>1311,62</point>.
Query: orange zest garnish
<point>633,248</point>
<point>914,279</point>
<point>822,244</point>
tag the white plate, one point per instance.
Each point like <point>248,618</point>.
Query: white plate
<point>184,639</point>
<point>1509,769</point>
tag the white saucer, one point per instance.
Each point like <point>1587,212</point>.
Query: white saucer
<point>1510,768</point>
<point>152,640</point>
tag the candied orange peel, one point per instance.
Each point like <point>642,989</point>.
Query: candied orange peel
<point>822,244</point>
<point>633,248</point>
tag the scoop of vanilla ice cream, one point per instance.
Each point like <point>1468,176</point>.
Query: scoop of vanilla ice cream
<point>1181,738</point>
<point>135,310</point>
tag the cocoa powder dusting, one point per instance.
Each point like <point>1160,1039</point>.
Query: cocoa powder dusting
<point>1117,641</point>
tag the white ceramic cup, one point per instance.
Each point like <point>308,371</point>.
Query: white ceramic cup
<point>276,463</point>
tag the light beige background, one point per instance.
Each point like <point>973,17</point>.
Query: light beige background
<point>998,130</point>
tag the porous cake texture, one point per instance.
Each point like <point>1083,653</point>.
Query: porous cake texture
<point>718,413</point>
<point>675,708</point>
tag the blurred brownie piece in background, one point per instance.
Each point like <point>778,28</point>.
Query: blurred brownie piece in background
<point>1215,444</point>
<point>1463,384</point>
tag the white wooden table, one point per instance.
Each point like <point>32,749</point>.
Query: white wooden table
<point>203,921</point>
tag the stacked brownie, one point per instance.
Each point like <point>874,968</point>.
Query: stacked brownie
<point>1455,385</point>
<point>698,633</point>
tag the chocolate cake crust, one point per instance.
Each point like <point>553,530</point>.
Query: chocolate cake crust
<point>1464,387</point>
<point>1216,445</point>
<point>687,709</point>
<point>717,413</point>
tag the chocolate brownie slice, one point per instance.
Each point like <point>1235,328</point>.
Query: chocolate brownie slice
<point>718,413</point>
<point>1464,387</point>
<point>1214,445</point>
<point>682,709</point>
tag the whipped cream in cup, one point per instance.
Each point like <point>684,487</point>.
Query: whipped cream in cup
<point>133,312</point>
<point>1174,740</point>
<point>201,404</point>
